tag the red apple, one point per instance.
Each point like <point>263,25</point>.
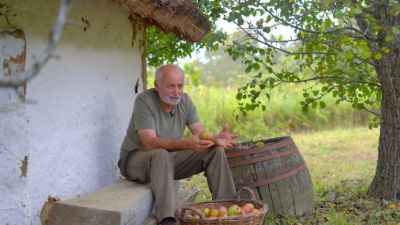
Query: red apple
<point>250,205</point>
<point>246,209</point>
<point>223,212</point>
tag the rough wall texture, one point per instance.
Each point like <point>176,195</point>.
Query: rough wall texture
<point>64,140</point>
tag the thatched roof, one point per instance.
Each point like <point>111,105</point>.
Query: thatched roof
<point>181,17</point>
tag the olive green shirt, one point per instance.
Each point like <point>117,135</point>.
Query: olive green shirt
<point>148,113</point>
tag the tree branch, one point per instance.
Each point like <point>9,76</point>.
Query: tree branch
<point>278,48</point>
<point>259,33</point>
<point>372,112</point>
<point>21,78</point>
<point>331,77</point>
<point>316,77</point>
<point>362,34</point>
<point>355,55</point>
<point>367,110</point>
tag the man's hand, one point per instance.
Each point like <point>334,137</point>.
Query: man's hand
<point>197,145</point>
<point>224,138</point>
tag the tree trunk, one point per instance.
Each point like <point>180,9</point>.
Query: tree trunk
<point>386,183</point>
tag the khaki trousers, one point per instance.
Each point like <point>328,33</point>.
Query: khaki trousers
<point>160,168</point>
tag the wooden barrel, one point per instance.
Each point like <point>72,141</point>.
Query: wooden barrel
<point>277,173</point>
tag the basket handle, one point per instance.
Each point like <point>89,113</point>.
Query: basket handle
<point>192,209</point>
<point>248,190</point>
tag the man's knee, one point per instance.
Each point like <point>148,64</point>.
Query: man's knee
<point>219,152</point>
<point>160,164</point>
<point>159,153</point>
<point>161,156</point>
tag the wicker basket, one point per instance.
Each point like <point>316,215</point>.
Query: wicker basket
<point>192,214</point>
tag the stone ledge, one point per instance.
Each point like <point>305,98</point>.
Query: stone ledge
<point>115,204</point>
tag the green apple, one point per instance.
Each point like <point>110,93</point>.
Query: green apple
<point>206,212</point>
<point>233,210</point>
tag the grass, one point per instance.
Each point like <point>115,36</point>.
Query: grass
<point>342,164</point>
<point>340,154</point>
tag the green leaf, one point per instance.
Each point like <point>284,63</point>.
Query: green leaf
<point>338,14</point>
<point>314,105</point>
<point>357,10</point>
<point>395,30</point>
<point>349,55</point>
<point>304,108</point>
<point>366,53</point>
<point>322,104</point>
<point>378,56</point>
<point>389,38</point>
<point>386,50</point>
<point>327,24</point>
<point>239,96</point>
<point>267,29</point>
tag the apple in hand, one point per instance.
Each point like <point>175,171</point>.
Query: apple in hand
<point>206,136</point>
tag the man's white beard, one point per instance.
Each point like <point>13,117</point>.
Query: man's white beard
<point>170,101</point>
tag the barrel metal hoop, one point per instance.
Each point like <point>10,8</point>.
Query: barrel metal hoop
<point>285,142</point>
<point>275,178</point>
<point>261,159</point>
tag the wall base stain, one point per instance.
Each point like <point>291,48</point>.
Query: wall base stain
<point>24,166</point>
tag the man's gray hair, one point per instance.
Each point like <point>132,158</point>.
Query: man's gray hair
<point>159,72</point>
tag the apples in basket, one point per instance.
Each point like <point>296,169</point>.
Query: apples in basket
<point>223,212</point>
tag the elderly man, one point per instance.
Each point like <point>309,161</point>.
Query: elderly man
<point>155,152</point>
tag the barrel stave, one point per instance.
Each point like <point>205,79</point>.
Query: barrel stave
<point>277,174</point>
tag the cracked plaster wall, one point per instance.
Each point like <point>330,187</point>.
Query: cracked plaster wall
<point>64,140</point>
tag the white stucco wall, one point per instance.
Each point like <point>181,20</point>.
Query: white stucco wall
<point>77,109</point>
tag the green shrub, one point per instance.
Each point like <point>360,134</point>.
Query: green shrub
<point>283,114</point>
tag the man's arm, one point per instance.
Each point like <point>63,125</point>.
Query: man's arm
<point>151,141</point>
<point>196,128</point>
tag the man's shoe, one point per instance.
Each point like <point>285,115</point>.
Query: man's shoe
<point>168,221</point>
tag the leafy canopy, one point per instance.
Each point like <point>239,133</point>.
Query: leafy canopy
<point>327,40</point>
<point>336,47</point>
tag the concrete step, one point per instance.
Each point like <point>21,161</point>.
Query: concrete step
<point>183,196</point>
<point>121,203</point>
